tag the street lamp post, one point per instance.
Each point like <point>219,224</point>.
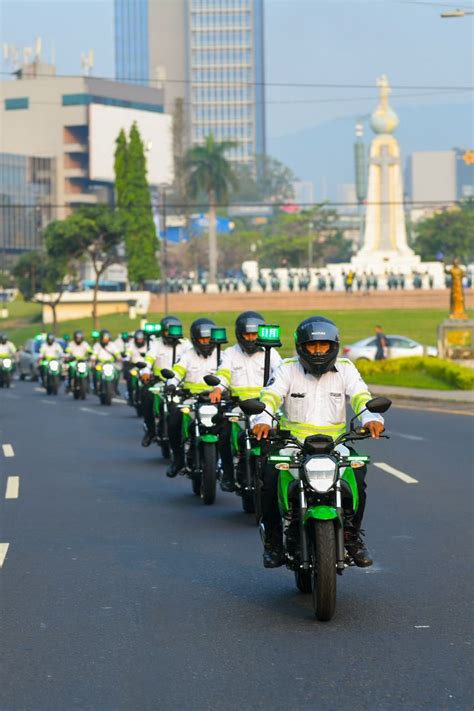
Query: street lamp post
<point>164,253</point>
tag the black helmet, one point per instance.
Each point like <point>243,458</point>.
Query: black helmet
<point>78,337</point>
<point>317,328</point>
<point>165,323</point>
<point>50,338</point>
<point>139,338</point>
<point>248,322</point>
<point>3,338</point>
<point>201,328</point>
<point>104,336</point>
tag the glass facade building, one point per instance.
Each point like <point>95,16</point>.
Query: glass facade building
<point>226,74</point>
<point>26,203</point>
<point>131,41</point>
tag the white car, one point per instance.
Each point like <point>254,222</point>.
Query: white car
<point>398,347</point>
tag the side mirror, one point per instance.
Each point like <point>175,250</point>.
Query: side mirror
<point>211,380</point>
<point>167,374</point>
<point>378,404</point>
<point>252,406</point>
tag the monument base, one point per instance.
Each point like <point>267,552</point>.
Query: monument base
<point>382,262</point>
<point>456,339</point>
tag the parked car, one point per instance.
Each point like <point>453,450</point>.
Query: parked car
<point>398,347</point>
<point>28,358</point>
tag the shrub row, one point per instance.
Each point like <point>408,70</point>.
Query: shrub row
<point>457,376</point>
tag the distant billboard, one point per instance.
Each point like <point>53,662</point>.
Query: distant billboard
<point>105,123</point>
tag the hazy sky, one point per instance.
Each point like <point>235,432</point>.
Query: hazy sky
<point>307,41</point>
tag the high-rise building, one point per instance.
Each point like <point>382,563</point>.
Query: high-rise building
<point>440,176</point>
<point>131,43</point>
<point>210,53</point>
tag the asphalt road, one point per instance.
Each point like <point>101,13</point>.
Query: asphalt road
<point>120,590</point>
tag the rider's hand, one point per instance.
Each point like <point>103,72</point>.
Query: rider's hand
<point>261,431</point>
<point>375,428</point>
<point>215,396</point>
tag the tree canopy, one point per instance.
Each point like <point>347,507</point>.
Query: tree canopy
<point>447,234</point>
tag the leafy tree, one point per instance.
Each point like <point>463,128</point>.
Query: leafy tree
<point>134,202</point>
<point>450,232</point>
<point>92,232</point>
<point>37,272</point>
<point>208,171</point>
<point>270,182</point>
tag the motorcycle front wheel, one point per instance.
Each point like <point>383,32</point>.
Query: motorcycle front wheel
<point>208,477</point>
<point>107,392</point>
<point>323,554</point>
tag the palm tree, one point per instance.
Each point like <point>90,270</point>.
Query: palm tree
<point>208,171</point>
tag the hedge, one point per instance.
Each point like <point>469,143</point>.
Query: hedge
<point>457,376</point>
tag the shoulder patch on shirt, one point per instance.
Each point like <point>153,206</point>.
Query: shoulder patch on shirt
<point>289,361</point>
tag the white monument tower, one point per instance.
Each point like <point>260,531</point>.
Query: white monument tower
<point>385,245</point>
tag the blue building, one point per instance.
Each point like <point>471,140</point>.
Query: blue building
<point>131,41</point>
<point>210,53</point>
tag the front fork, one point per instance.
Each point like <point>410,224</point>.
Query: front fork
<point>305,558</point>
<point>247,456</point>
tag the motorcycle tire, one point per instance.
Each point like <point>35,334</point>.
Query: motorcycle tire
<point>82,390</point>
<point>323,545</point>
<point>107,393</point>
<point>54,386</point>
<point>303,580</point>
<point>209,474</point>
<point>248,501</point>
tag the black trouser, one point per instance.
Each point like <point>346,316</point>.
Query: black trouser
<point>148,409</point>
<point>175,423</point>
<point>225,448</point>
<point>271,516</point>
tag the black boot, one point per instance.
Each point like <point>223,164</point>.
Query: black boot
<point>354,541</point>
<point>273,551</point>
<point>147,439</point>
<point>175,468</point>
<point>227,482</point>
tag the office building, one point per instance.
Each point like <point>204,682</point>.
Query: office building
<point>440,176</point>
<point>27,203</point>
<point>210,53</point>
<point>75,122</point>
<point>131,44</point>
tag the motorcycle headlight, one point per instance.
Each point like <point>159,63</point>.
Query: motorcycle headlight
<point>206,413</point>
<point>108,369</point>
<point>53,365</point>
<point>81,367</point>
<point>320,473</point>
<point>7,362</point>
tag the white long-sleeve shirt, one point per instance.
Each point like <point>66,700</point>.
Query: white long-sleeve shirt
<point>315,406</point>
<point>160,354</point>
<point>7,350</point>
<point>104,354</point>
<point>136,354</point>
<point>80,351</point>
<point>191,369</point>
<point>243,372</point>
<point>49,351</point>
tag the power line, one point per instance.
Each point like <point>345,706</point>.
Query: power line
<point>227,84</point>
<point>285,203</point>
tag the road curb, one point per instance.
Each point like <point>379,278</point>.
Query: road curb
<point>464,397</point>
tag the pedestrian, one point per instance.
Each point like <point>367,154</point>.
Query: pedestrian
<point>381,344</point>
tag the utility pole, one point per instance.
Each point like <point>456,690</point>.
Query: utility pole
<point>164,248</point>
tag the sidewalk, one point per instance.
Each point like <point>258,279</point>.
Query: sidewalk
<point>459,396</point>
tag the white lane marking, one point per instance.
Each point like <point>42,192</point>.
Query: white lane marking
<point>120,400</point>
<point>8,450</point>
<point>38,390</point>
<point>48,402</point>
<point>94,412</point>
<point>415,438</point>
<point>3,552</point>
<point>396,472</point>
<point>422,627</point>
<point>13,487</point>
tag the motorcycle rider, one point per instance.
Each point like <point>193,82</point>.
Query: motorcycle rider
<point>7,349</point>
<point>50,350</point>
<point>105,351</point>
<point>311,390</point>
<point>77,349</point>
<point>122,342</point>
<point>134,353</point>
<point>160,355</point>
<point>194,364</point>
<point>241,370</point>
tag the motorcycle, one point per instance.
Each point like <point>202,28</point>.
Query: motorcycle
<point>137,381</point>
<point>106,374</point>
<point>246,451</point>
<point>200,440</point>
<point>79,378</point>
<point>6,371</point>
<point>161,400</point>
<point>317,494</point>
<point>52,375</point>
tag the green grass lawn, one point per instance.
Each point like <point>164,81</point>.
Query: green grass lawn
<point>421,380</point>
<point>420,324</point>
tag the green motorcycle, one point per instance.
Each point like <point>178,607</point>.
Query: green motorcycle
<point>6,371</point>
<point>52,375</point>
<point>317,494</point>
<point>79,372</point>
<point>106,377</point>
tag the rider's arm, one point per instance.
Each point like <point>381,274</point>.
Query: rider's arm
<point>274,393</point>
<point>359,394</point>
<point>224,371</point>
<point>180,369</point>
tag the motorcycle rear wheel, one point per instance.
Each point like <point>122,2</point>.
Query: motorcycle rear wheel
<point>323,554</point>
<point>209,474</point>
